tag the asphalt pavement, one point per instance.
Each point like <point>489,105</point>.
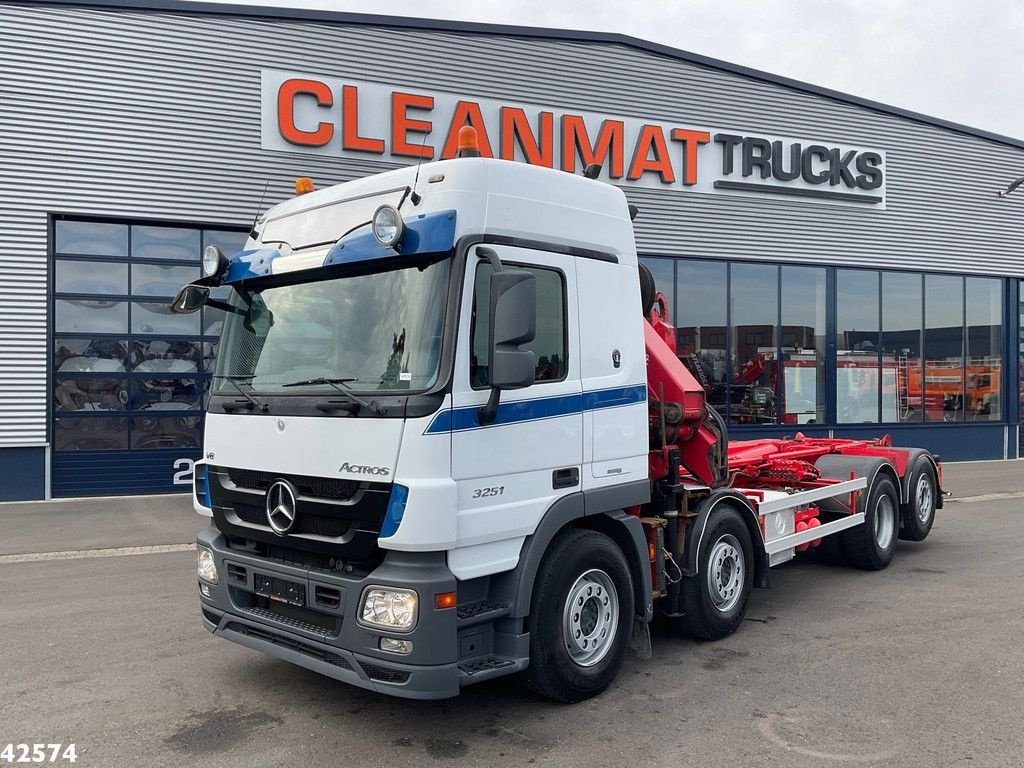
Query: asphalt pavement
<point>918,665</point>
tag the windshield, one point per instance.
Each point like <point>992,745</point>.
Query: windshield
<point>373,332</point>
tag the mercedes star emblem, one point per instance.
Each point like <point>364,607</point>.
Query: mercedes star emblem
<point>281,507</point>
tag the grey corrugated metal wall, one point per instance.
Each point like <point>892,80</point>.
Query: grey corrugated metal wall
<point>153,114</point>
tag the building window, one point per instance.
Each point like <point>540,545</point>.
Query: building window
<point>754,309</point>
<point>701,326</point>
<point>127,373</point>
<point>984,373</point>
<point>943,348</point>
<point>902,369</point>
<point>858,369</point>
<point>803,345</point>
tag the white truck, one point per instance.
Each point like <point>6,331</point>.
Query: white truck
<point>448,439</point>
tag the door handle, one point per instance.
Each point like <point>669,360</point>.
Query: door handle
<point>565,478</point>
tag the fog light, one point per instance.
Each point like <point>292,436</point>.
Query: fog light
<point>214,261</point>
<point>389,608</point>
<point>204,590</point>
<point>206,567</point>
<point>393,645</point>
<point>388,226</point>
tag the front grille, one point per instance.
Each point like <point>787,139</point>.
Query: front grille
<point>287,642</point>
<point>383,674</point>
<point>321,487</point>
<point>317,525</point>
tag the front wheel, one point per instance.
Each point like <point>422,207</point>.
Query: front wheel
<point>715,598</point>
<point>580,616</point>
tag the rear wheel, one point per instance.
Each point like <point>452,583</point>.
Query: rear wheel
<point>919,514</point>
<point>871,546</point>
<point>715,598</point>
<point>580,617</point>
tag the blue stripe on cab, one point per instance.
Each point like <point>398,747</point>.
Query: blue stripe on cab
<point>462,419</point>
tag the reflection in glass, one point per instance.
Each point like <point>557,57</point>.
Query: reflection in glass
<point>166,394</point>
<point>210,349</point>
<point>213,321</point>
<point>700,326</point>
<point>662,271</point>
<point>984,349</point>
<point>166,432</point>
<point>229,242</point>
<point>90,355</point>
<point>165,243</point>
<point>89,394</point>
<point>107,277</point>
<point>158,318</point>
<point>754,302</point>
<point>803,345</point>
<point>165,356</point>
<point>161,279</point>
<point>943,348</point>
<point>902,370</point>
<point>81,316</point>
<point>857,357</point>
<point>90,434</point>
<point>91,238</point>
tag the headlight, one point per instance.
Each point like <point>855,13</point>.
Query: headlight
<point>206,567</point>
<point>388,226</point>
<point>214,261</point>
<point>394,609</point>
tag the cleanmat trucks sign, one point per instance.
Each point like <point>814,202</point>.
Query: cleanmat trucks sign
<point>340,117</point>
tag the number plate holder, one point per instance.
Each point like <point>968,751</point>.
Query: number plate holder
<point>280,590</point>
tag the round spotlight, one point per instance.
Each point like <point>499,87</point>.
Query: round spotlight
<point>214,261</point>
<point>388,226</point>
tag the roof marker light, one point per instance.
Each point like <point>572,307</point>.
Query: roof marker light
<point>469,146</point>
<point>304,185</point>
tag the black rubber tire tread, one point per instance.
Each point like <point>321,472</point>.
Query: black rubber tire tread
<point>859,543</point>
<point>703,620</point>
<point>552,672</point>
<point>648,290</point>
<point>912,529</point>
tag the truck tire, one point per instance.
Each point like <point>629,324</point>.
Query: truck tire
<point>872,545</point>
<point>919,514</point>
<point>715,598</point>
<point>580,617</point>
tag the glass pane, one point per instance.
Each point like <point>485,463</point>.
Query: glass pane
<point>700,326</point>
<point>90,434</point>
<point>78,316</point>
<point>91,277</point>
<point>165,356</point>
<point>158,318</point>
<point>662,271</point>
<point>943,348</point>
<point>165,243</point>
<point>89,394</point>
<point>161,280</point>
<point>90,355</point>
<point>755,315</point>
<point>229,242</point>
<point>549,343</point>
<point>166,432</point>
<point>210,349</point>
<point>213,321</point>
<point>803,345</point>
<point>167,394</point>
<point>984,349</point>
<point>90,238</point>
<point>857,362</point>
<point>902,371</point>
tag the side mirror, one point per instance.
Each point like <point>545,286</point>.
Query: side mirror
<point>190,299</point>
<point>513,322</point>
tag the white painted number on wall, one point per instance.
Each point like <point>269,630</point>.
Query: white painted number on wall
<point>184,468</point>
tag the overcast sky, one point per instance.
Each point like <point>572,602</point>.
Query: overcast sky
<point>962,60</point>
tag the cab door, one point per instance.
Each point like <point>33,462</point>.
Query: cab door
<point>510,472</point>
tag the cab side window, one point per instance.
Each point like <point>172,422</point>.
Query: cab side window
<point>549,345</point>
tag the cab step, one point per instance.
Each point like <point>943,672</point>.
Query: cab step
<point>480,611</point>
<point>485,667</point>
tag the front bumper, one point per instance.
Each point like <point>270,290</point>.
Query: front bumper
<point>326,637</point>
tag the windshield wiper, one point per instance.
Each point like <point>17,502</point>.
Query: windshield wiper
<point>338,384</point>
<point>233,380</point>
